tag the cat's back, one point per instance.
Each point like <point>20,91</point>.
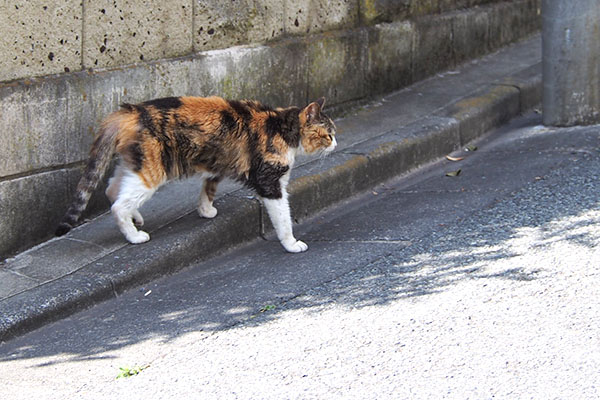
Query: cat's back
<point>202,110</point>
<point>207,113</point>
<point>187,133</point>
<point>172,112</point>
<point>203,113</point>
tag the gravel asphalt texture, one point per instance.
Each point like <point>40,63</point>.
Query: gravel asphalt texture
<point>482,285</point>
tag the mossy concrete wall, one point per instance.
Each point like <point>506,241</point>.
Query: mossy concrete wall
<point>41,37</point>
<point>64,65</point>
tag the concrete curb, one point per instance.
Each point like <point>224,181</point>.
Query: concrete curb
<point>320,185</point>
<point>384,157</point>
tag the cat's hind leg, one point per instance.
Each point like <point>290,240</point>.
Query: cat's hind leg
<point>112,192</point>
<point>207,196</point>
<point>138,220</point>
<point>132,194</point>
<point>114,185</point>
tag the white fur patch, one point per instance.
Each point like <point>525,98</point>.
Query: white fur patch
<point>205,206</point>
<point>279,213</point>
<point>132,193</point>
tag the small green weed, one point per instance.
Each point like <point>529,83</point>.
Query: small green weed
<point>127,372</point>
<point>267,308</point>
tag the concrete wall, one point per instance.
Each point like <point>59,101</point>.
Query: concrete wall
<point>66,64</point>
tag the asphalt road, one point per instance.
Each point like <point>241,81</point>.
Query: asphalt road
<point>481,285</point>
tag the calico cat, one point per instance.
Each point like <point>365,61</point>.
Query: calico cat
<point>177,137</point>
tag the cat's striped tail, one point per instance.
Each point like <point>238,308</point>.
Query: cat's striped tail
<point>101,154</point>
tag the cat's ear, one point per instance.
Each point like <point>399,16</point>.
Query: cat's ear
<point>313,110</point>
<point>321,102</point>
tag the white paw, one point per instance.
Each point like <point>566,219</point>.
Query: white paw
<point>295,246</point>
<point>138,237</point>
<point>138,220</point>
<point>207,212</point>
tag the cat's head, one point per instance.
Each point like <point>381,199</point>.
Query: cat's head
<point>317,130</point>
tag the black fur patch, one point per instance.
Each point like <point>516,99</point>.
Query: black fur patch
<point>273,125</point>
<point>166,157</point>
<point>164,104</point>
<point>158,130</point>
<point>264,178</point>
<point>209,157</point>
<point>260,107</point>
<point>164,121</point>
<point>272,128</point>
<point>228,123</point>
<point>182,142</point>
<point>285,124</point>
<point>128,107</point>
<point>183,124</point>
<point>146,120</point>
<point>241,109</point>
<point>291,126</point>
<point>137,156</point>
<point>185,153</point>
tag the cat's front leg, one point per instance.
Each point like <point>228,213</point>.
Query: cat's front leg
<point>279,213</point>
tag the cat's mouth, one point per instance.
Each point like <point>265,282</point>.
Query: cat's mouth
<point>332,146</point>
